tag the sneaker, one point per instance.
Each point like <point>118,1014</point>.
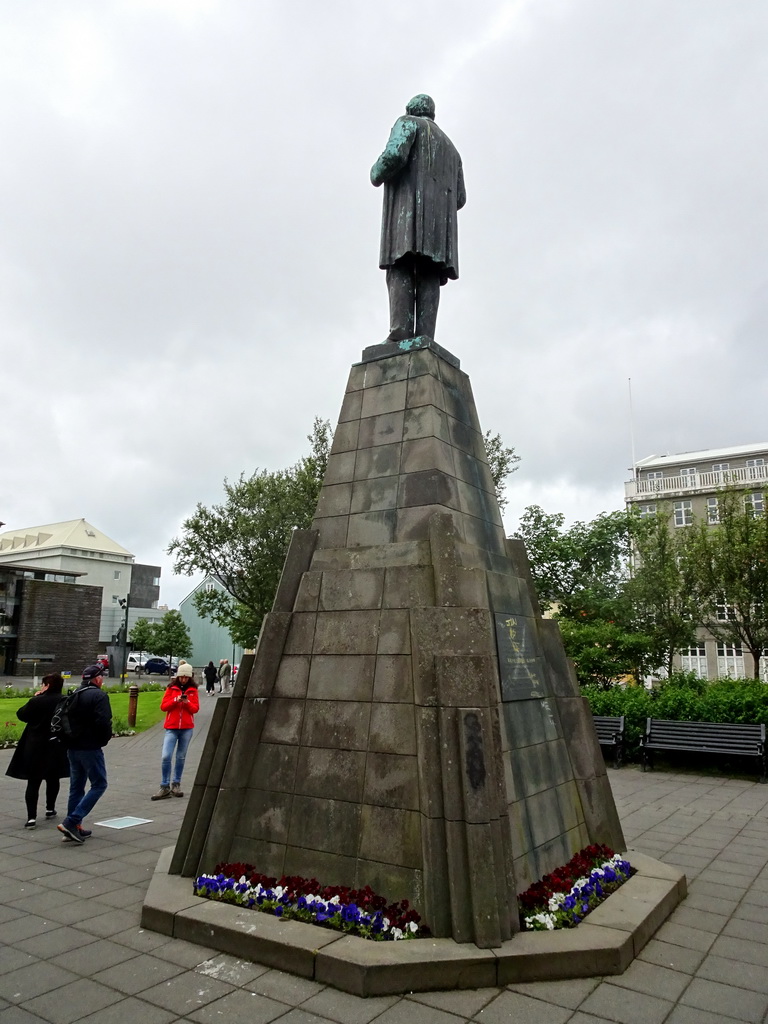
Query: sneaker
<point>31,823</point>
<point>70,831</point>
<point>162,794</point>
<point>84,833</point>
<point>50,814</point>
<point>176,789</point>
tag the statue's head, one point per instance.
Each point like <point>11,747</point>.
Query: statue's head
<point>421,106</point>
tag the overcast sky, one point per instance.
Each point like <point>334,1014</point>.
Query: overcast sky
<point>189,238</point>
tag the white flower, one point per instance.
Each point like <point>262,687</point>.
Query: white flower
<point>385,922</point>
<point>335,900</point>
<point>413,926</point>
<point>397,934</point>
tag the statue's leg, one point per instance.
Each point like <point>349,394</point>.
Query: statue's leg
<point>427,301</point>
<point>402,299</point>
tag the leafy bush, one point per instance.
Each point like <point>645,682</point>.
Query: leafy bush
<point>682,699</point>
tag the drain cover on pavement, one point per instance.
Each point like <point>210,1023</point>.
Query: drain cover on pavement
<point>127,822</point>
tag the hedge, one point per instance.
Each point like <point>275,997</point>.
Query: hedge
<point>680,699</point>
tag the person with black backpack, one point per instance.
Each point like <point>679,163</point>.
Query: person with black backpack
<point>86,724</point>
<point>39,756</point>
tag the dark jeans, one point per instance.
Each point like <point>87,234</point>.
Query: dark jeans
<point>85,765</point>
<point>33,790</point>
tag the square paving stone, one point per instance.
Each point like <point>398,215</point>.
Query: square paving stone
<point>238,1006</point>
<point>743,1004</point>
<point>301,1017</point>
<point>513,1007</point>
<point>730,972</point>
<point>140,939</point>
<point>348,1009</point>
<point>188,954</point>
<point>130,1010</point>
<point>625,1005</point>
<point>55,941</point>
<point>138,973</point>
<point>72,1002</point>
<point>653,980</point>
<point>111,923</point>
<point>464,1002</point>
<point>703,919</point>
<point>231,970</point>
<point>570,993</point>
<point>18,1015</point>
<point>693,1015</point>
<point>187,993</point>
<point>740,928</point>
<point>13,959</point>
<point>740,949</point>
<point>96,956</point>
<point>681,935</point>
<point>20,985</point>
<point>24,928</point>
<point>288,988</point>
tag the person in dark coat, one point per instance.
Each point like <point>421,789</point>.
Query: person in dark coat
<point>37,756</point>
<point>211,675</point>
<point>423,180</point>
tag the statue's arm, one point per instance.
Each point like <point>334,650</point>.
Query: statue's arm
<point>395,155</point>
<point>461,192</point>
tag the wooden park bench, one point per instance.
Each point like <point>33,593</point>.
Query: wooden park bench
<point>610,733</point>
<point>704,738</point>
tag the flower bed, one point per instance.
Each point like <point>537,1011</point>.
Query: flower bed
<point>564,898</point>
<point>356,911</point>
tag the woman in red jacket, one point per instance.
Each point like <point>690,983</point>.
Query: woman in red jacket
<point>181,703</point>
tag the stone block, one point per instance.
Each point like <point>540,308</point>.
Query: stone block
<point>429,762</point>
<point>351,406</point>
<point>332,868</point>
<point>487,910</point>
<point>543,809</point>
<point>266,857</point>
<point>340,468</point>
<point>394,632</point>
<point>383,460</point>
<point>600,815</point>
<point>274,632</point>
<point>274,767</point>
<point>391,835</point>
<point>507,594</point>
<point>483,534</point>
<point>386,371</point>
<point>345,437</point>
<point>413,523</point>
<point>424,965</point>
<point>479,503</point>
<point>392,882</point>
<point>561,673</point>
<point>386,428</point>
<point>332,531</point>
<point>338,724</point>
<point>375,495</point>
<point>639,907</point>
<point>265,815</point>
<point>464,437</point>
<point>356,379</point>
<point>529,722</point>
<point>452,631</point>
<point>391,780</point>
<point>473,471</point>
<point>581,952</point>
<point>425,390</point>
<point>341,677</point>
<point>430,487</point>
<point>348,632</point>
<point>649,867</point>
<point>166,896</point>
<point>393,680</point>
<point>393,728</point>
<point>426,453</point>
<point>325,772</point>
<point>351,589</point>
<point>372,528</point>
<point>283,721</point>
<point>248,934</point>
<point>318,823</point>
<point>465,681</point>
<point>308,593</point>
<point>334,500</point>
<point>297,561</point>
<point>408,586</point>
<point>425,421</point>
<point>301,633</point>
<point>292,676</point>
<point>570,805</point>
<point>476,765</point>
<point>577,724</point>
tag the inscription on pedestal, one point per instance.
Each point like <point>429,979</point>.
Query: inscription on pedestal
<point>520,668</point>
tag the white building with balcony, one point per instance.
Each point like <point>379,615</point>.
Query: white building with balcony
<point>688,483</point>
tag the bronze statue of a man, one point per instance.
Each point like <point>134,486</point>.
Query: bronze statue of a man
<point>423,191</point>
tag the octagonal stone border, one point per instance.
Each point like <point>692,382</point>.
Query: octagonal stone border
<point>606,943</point>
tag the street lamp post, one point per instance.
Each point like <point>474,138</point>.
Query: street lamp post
<point>125,603</point>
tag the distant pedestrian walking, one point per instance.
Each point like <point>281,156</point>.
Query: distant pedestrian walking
<point>90,720</point>
<point>38,757</point>
<point>211,676</point>
<point>180,703</point>
<point>225,674</point>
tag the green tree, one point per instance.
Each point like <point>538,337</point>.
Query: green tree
<point>243,540</point>
<point>732,578</point>
<point>604,651</point>
<point>142,636</point>
<point>171,636</point>
<point>502,462</point>
<point>662,589</point>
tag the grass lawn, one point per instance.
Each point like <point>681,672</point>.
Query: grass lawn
<point>148,712</point>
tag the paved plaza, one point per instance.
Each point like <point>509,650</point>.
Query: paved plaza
<point>72,949</point>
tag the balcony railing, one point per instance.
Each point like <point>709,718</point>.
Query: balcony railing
<point>696,482</point>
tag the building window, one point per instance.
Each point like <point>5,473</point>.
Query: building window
<point>755,469</point>
<point>720,467</point>
<point>688,471</point>
<point>683,513</point>
<point>155,581</point>
<point>115,598</point>
<point>647,510</point>
<point>694,659</point>
<point>730,661</point>
<point>117,574</point>
<point>754,503</point>
<point>713,511</point>
<point>725,612</point>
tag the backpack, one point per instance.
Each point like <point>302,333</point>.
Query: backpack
<point>62,726</point>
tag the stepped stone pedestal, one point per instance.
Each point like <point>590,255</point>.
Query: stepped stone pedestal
<point>409,720</point>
